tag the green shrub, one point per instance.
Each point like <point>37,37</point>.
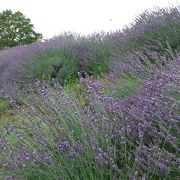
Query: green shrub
<point>43,64</point>
<point>4,104</point>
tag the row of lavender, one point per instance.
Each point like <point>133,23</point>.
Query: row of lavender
<point>153,34</point>
<point>57,136</point>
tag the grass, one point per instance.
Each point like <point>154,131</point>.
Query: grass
<point>125,87</point>
<point>174,93</point>
<point>4,104</point>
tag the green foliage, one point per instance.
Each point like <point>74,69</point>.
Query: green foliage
<point>43,64</point>
<point>99,60</point>
<point>162,39</point>
<point>4,104</point>
<point>16,29</point>
<point>125,87</point>
<point>160,31</point>
<point>174,93</point>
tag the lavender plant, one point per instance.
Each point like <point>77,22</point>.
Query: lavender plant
<point>159,29</point>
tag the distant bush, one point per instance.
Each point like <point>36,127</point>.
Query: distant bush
<point>93,53</point>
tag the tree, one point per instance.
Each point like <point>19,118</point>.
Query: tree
<point>16,29</point>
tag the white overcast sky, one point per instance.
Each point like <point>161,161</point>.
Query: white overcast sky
<point>52,17</point>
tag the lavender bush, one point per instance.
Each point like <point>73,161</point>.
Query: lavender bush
<point>158,29</point>
<point>12,58</point>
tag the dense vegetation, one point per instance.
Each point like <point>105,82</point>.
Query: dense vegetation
<point>16,29</point>
<point>98,107</point>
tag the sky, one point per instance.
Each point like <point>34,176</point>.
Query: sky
<point>53,17</point>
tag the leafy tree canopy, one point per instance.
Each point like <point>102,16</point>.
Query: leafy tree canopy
<point>16,29</point>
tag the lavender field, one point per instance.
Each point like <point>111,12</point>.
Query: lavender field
<point>104,106</point>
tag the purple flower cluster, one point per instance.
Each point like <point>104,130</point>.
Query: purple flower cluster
<point>73,150</point>
<point>154,159</point>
